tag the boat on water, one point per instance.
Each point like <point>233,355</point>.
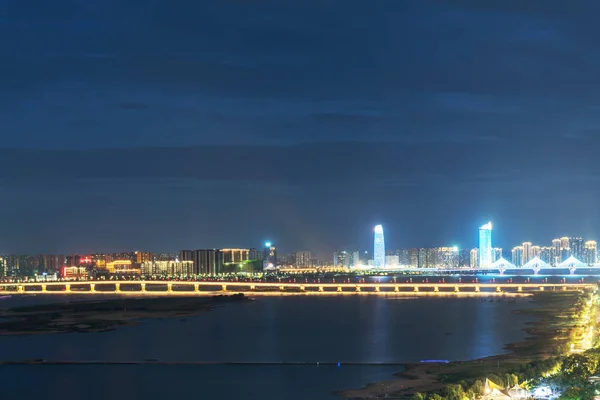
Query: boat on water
<point>5,297</point>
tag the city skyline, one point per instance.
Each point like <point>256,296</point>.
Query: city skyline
<point>286,247</point>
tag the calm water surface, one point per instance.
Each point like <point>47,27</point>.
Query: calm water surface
<point>292,329</point>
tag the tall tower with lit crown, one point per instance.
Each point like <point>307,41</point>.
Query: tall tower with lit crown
<point>378,248</point>
<point>485,245</point>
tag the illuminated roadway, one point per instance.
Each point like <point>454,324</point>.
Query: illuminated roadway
<point>191,287</point>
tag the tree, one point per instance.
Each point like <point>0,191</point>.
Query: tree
<point>435,396</point>
<point>455,392</point>
<point>418,396</point>
<point>580,392</point>
<point>579,366</point>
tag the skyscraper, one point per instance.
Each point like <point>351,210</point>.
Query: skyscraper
<point>517,256</point>
<point>474,261</point>
<point>378,248</point>
<point>527,253</point>
<point>577,247</point>
<point>496,254</point>
<point>485,245</point>
<point>556,252</point>
<point>591,252</point>
<point>270,258</point>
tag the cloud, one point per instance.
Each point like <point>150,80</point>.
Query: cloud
<point>332,163</point>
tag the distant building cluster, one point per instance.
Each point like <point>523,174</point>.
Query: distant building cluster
<point>571,252</point>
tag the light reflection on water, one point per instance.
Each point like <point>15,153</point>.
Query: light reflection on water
<point>290,329</point>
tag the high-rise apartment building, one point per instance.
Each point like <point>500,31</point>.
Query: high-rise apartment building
<point>591,252</point>
<point>186,255</point>
<point>392,261</point>
<point>378,247</point>
<point>142,257</point>
<point>517,256</point>
<point>527,254</point>
<point>496,254</point>
<point>302,259</point>
<point>577,247</point>
<point>208,262</point>
<point>556,252</point>
<point>235,256</point>
<point>485,245</point>
<point>167,268</point>
<point>474,262</point>
<point>546,254</point>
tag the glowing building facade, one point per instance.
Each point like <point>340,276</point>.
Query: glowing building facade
<point>379,248</point>
<point>485,245</point>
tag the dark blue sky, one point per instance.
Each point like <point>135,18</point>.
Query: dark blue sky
<point>168,124</point>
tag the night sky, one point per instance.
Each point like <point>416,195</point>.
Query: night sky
<point>169,124</point>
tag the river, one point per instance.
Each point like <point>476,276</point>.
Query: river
<point>308,329</point>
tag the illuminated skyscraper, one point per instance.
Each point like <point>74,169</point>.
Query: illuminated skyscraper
<point>379,248</point>
<point>591,252</point>
<point>485,245</point>
<point>474,261</point>
<point>527,253</point>
<point>270,256</point>
<point>556,252</point>
<point>517,256</point>
<point>496,254</point>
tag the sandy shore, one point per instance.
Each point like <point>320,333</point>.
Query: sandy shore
<point>103,315</point>
<point>549,331</point>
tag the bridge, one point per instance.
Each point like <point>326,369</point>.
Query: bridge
<point>500,266</point>
<point>194,287</point>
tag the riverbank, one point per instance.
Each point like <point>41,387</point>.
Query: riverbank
<point>103,315</point>
<point>553,321</point>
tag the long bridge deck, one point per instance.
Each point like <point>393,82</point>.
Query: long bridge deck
<point>194,287</point>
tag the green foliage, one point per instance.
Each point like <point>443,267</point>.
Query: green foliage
<point>580,392</point>
<point>435,396</point>
<point>419,396</point>
<point>454,392</point>
<point>577,368</point>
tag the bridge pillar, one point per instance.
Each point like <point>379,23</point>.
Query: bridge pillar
<point>541,288</point>
<point>377,288</point>
<point>44,288</point>
<point>502,270</point>
<point>416,288</point>
<point>169,287</point>
<point>117,287</point>
<point>396,288</point>
<point>67,288</point>
<point>320,288</point>
<point>143,286</point>
<point>302,288</point>
<point>358,288</point>
<point>224,288</point>
<point>536,271</point>
<point>477,290</point>
<point>456,289</point>
<point>436,289</point>
<point>21,289</point>
<point>520,289</point>
<point>196,287</point>
<point>498,289</point>
<point>572,270</point>
<point>282,288</point>
<point>339,288</point>
<point>92,287</point>
<point>252,287</point>
<point>564,288</point>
